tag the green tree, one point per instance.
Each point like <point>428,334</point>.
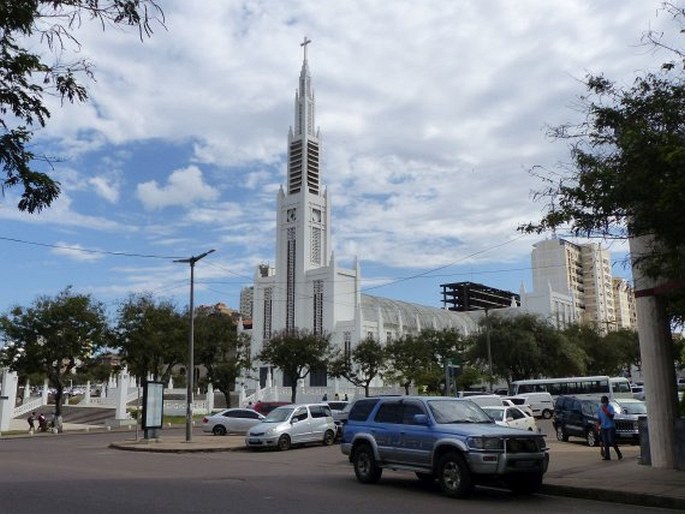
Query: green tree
<point>408,357</point>
<point>627,343</point>
<point>31,33</point>
<point>53,337</point>
<point>152,336</point>
<point>296,352</point>
<point>525,346</point>
<point>366,361</point>
<point>609,354</point>
<point>219,347</point>
<point>444,346</point>
<point>625,179</point>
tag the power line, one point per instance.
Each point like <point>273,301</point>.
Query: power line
<point>88,250</point>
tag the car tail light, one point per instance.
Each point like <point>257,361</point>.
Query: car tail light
<point>205,420</point>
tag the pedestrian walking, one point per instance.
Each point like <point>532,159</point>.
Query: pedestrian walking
<point>607,428</point>
<point>32,423</point>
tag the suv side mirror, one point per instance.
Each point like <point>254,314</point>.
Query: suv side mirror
<point>420,419</point>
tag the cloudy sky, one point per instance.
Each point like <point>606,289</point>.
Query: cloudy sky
<point>431,115</point>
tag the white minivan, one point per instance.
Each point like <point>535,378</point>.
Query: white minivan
<point>291,425</point>
<point>542,404</point>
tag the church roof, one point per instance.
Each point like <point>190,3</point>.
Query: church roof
<point>412,317</point>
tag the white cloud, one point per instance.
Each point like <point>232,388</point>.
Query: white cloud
<point>184,187</point>
<point>60,213</point>
<point>426,140</point>
<point>104,188</point>
<point>76,252</point>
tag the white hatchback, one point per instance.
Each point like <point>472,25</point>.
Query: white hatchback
<point>291,425</point>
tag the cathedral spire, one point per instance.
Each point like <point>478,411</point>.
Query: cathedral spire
<point>303,138</point>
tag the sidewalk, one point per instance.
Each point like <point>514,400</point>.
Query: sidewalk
<point>578,471</point>
<point>575,470</point>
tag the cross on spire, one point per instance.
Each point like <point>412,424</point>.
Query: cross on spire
<point>304,45</point>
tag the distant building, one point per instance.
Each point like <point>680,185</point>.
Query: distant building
<point>573,283</point>
<point>469,296</point>
<point>246,299</point>
<point>624,304</point>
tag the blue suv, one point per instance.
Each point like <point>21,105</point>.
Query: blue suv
<point>448,439</point>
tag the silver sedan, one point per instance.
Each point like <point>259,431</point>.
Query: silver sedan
<point>231,421</point>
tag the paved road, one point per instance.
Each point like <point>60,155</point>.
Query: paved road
<point>78,474</point>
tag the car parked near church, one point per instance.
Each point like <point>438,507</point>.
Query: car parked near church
<point>231,421</point>
<point>292,425</point>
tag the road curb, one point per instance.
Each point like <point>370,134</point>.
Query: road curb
<point>151,447</point>
<point>605,495</point>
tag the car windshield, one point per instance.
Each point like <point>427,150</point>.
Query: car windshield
<point>457,411</point>
<point>496,414</point>
<point>278,414</point>
<point>630,408</point>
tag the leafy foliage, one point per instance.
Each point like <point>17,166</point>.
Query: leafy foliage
<point>296,352</point>
<point>218,346</point>
<point>525,346</point>
<point>610,354</point>
<point>420,359</point>
<point>364,363</point>
<point>54,336</point>
<point>151,335</point>
<point>26,76</point>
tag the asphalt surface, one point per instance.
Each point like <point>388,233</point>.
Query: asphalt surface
<point>575,469</point>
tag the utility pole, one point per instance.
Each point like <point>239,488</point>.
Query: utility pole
<point>190,373</point>
<point>487,341</point>
<point>656,352</point>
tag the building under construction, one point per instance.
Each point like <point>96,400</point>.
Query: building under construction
<point>469,296</point>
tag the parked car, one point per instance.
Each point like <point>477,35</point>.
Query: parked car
<point>231,421</point>
<point>511,417</point>
<point>265,407</point>
<point>339,414</point>
<point>291,425</point>
<point>542,404</point>
<point>518,401</point>
<point>446,439</point>
<point>638,392</point>
<point>577,417</point>
<point>485,399</point>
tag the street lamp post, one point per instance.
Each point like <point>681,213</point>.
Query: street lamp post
<point>487,340</point>
<point>190,373</point>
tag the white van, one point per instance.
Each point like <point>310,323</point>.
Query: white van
<point>290,425</point>
<point>542,404</point>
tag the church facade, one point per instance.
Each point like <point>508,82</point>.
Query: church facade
<point>306,288</point>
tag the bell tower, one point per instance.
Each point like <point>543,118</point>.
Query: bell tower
<point>303,209</point>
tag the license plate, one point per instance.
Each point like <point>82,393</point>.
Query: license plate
<point>254,441</point>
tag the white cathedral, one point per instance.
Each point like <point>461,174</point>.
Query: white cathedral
<point>306,289</point>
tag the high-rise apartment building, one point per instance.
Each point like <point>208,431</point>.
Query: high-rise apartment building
<point>574,283</point>
<point>624,304</point>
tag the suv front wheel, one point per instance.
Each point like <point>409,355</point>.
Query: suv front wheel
<point>454,476</point>
<point>561,434</point>
<point>365,467</point>
<point>591,437</point>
